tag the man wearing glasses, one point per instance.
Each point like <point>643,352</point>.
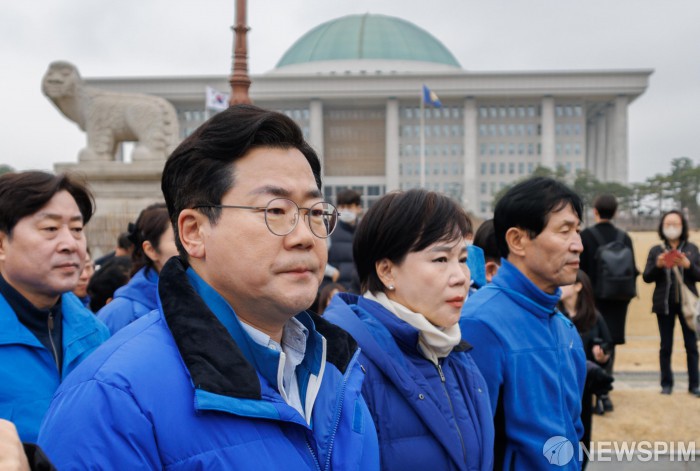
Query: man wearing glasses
<point>227,373</point>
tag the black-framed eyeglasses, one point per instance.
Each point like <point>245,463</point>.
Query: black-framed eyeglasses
<point>282,216</point>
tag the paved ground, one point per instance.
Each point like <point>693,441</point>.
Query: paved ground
<point>634,384</point>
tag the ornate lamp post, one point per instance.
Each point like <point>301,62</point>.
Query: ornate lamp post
<point>240,82</point>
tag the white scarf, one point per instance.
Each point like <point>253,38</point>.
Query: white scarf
<point>433,342</point>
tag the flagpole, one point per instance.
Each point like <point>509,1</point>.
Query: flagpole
<point>422,141</point>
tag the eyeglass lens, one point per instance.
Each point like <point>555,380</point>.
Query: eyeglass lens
<point>281,216</point>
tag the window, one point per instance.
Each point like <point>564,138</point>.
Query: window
<point>577,129</point>
<point>492,149</point>
<point>557,129</point>
<point>521,148</point>
<point>530,167</point>
<point>501,129</point>
<point>511,149</point>
<point>406,131</point>
<point>511,111</point>
<point>494,112</point>
<point>492,168</point>
<point>408,113</point>
<point>492,129</point>
<point>483,112</point>
<point>502,168</point>
<point>503,112</point>
<point>521,129</point>
<point>578,110</point>
<point>511,168</point>
<point>483,188</point>
<point>577,148</point>
<point>559,111</point>
<point>511,130</point>
<point>567,149</point>
<point>558,149</point>
<point>521,111</point>
<point>482,130</point>
<point>531,111</point>
<point>521,167</point>
<point>483,169</point>
<point>530,149</point>
<point>501,148</point>
<point>482,149</point>
<point>456,112</point>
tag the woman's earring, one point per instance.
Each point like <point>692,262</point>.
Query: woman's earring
<point>390,287</point>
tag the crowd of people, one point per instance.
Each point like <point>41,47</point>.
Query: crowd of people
<point>427,345</point>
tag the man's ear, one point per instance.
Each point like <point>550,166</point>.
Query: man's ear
<point>192,227</point>
<point>3,244</point>
<point>491,270</point>
<point>384,271</point>
<point>517,240</point>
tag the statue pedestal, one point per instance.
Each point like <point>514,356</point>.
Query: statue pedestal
<point>121,191</point>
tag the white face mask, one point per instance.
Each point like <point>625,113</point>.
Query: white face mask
<point>672,232</point>
<point>348,217</point>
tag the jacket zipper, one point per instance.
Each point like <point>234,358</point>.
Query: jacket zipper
<point>53,346</point>
<point>341,398</point>
<point>313,455</point>
<point>449,401</point>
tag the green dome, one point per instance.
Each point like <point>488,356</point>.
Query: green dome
<point>357,37</point>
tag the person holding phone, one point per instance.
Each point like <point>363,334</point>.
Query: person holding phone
<point>675,251</point>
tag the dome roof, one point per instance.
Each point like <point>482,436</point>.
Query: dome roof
<point>368,37</point>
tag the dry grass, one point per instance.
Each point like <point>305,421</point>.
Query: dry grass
<point>643,413</point>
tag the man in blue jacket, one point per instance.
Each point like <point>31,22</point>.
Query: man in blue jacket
<point>45,331</point>
<point>227,373</point>
<point>530,354</point>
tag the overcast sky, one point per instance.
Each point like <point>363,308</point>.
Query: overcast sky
<point>193,37</point>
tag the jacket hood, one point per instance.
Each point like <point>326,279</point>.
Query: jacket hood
<point>142,288</point>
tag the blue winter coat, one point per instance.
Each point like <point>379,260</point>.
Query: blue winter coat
<point>534,365</point>
<point>135,299</point>
<point>422,422</point>
<point>28,373</point>
<point>185,388</point>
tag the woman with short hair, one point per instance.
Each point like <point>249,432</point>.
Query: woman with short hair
<point>428,399</point>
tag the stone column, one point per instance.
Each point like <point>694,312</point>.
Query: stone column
<point>316,129</point>
<point>610,143</point>
<point>601,146</point>
<point>591,130</point>
<point>391,161</point>
<point>470,193</point>
<point>548,158</point>
<point>619,138</point>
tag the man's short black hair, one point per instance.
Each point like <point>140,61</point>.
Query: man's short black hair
<point>348,198</point>
<point>200,170</point>
<point>24,193</point>
<point>528,206</point>
<point>485,239</point>
<point>123,241</point>
<point>606,205</point>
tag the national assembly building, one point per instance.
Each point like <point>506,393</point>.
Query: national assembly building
<point>354,85</point>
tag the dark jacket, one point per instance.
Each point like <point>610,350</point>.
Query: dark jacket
<point>426,418</point>
<point>184,387</point>
<point>663,276</point>
<point>614,312</point>
<point>340,256</point>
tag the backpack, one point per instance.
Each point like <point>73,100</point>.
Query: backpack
<point>616,273</point>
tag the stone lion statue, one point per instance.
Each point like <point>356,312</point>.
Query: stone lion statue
<point>109,118</point>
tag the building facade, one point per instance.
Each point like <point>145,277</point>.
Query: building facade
<point>354,86</point>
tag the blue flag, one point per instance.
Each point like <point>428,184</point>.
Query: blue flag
<point>430,97</point>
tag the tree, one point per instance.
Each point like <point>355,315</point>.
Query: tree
<point>5,169</point>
